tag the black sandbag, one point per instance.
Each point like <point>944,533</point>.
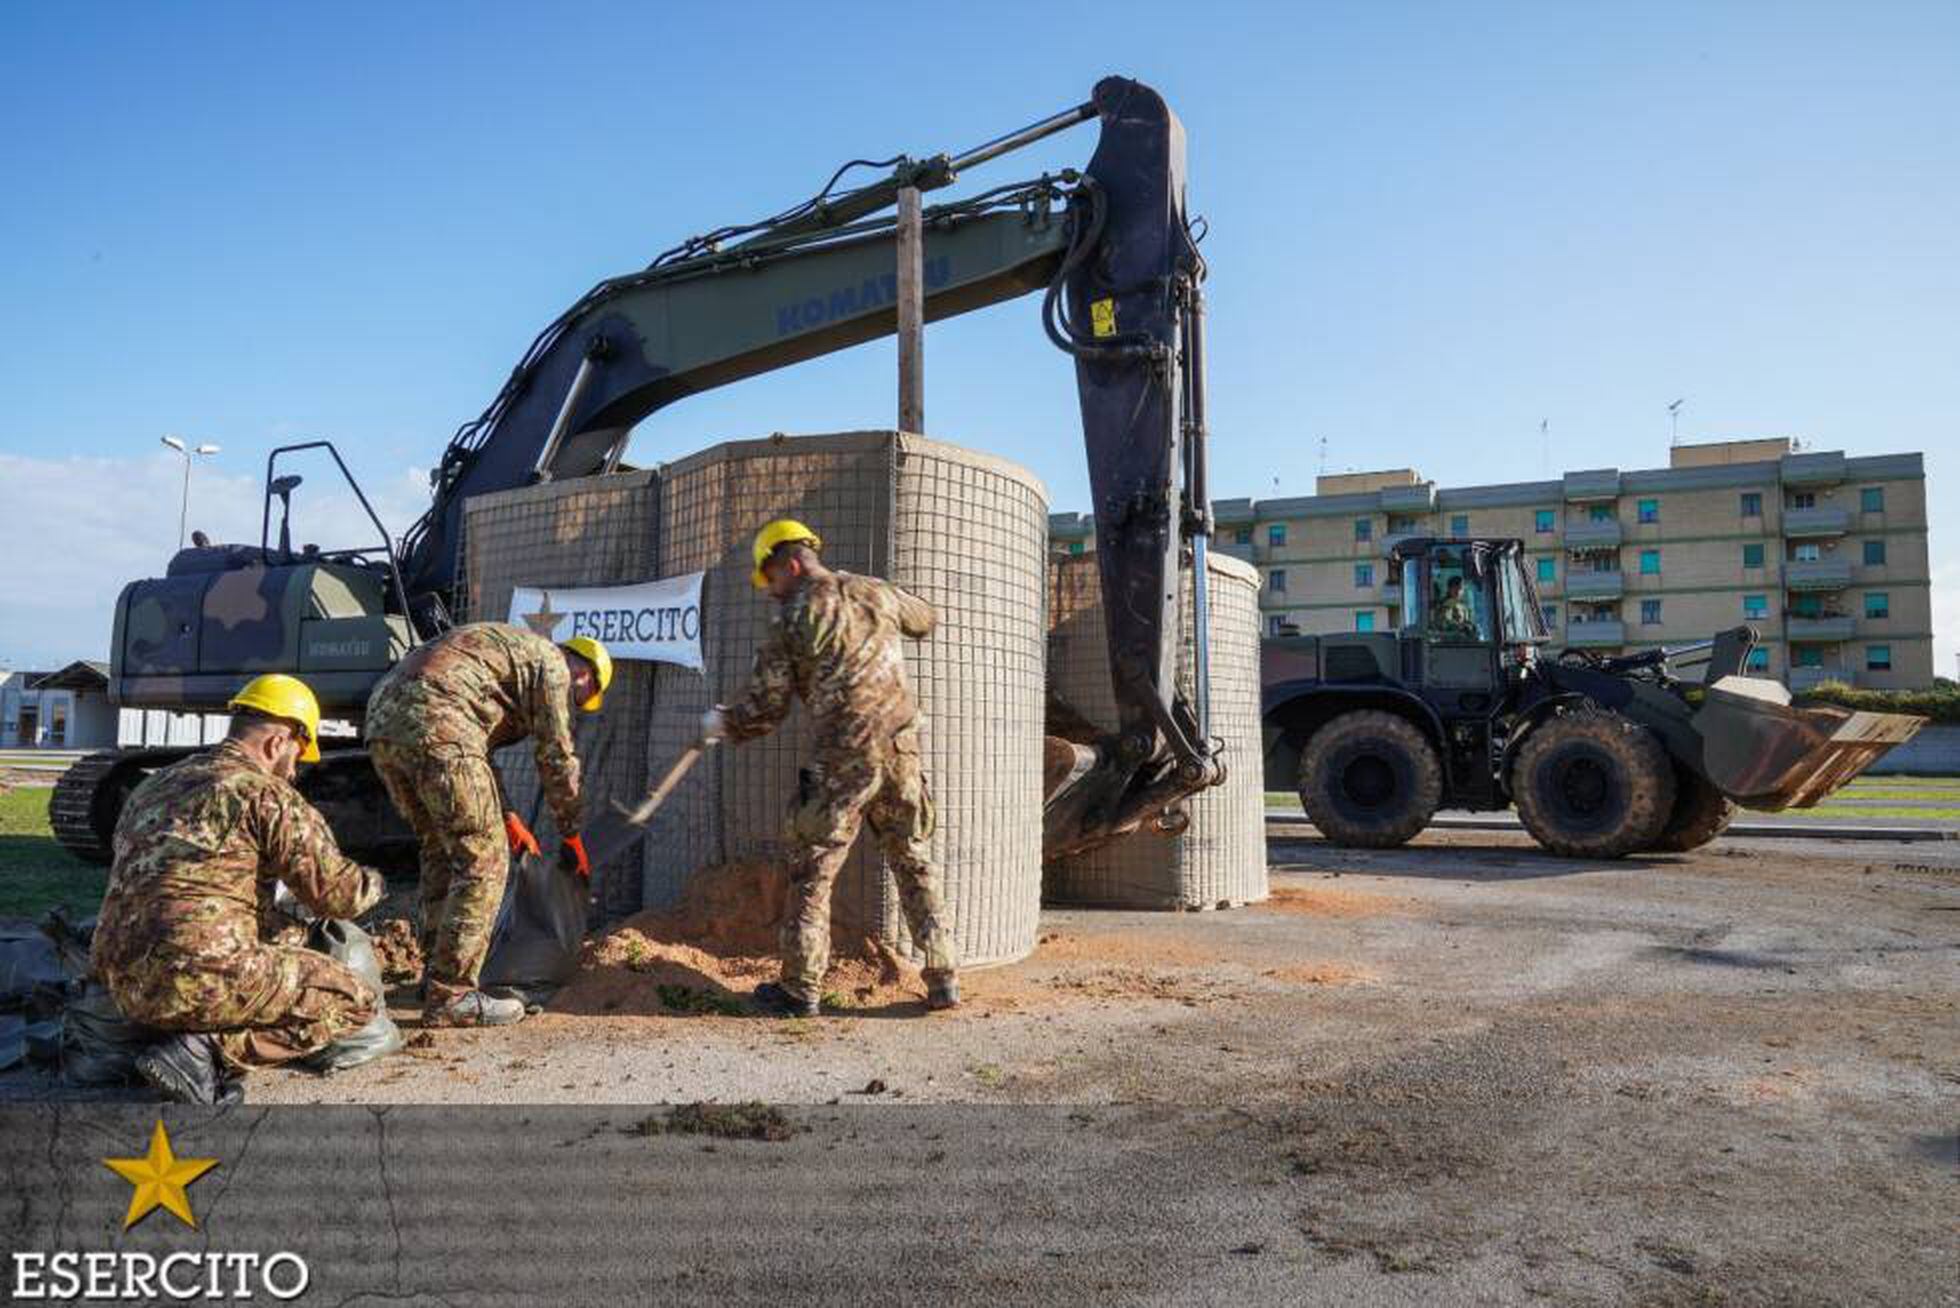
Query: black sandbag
<point>350,946</point>
<point>540,926</point>
<point>98,1044</point>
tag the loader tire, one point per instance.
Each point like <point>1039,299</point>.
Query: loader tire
<point>1700,814</point>
<point>1370,779</point>
<point>1593,784</point>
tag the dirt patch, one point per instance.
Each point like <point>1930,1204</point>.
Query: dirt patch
<point>1141,946</point>
<point>1191,989</point>
<point>721,1121</point>
<point>396,946</point>
<point>705,956</point>
<point>1319,974</point>
<point>1330,901</point>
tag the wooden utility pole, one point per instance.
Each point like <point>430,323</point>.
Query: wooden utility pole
<point>911,313</point>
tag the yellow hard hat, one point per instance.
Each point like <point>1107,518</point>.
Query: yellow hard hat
<point>289,699</point>
<point>779,532</point>
<point>594,653</point>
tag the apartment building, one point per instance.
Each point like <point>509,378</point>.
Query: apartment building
<point>1822,553</point>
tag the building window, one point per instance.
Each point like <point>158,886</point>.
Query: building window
<point>1550,613</point>
<point>1758,660</point>
<point>1075,547</point>
<point>1874,553</point>
<point>1808,552</point>
<point>1878,604</point>
<point>1600,513</point>
<point>1276,625</point>
<point>1650,510</point>
<point>1803,499</point>
<point>1460,525</point>
<point>1364,576</point>
<point>1806,606</point>
<point>1878,658</point>
<point>1243,536</point>
<point>1543,521</point>
<point>1650,563</point>
<point>1364,528</point>
<point>1752,504</point>
<point>1364,619</point>
<point>1276,581</point>
<point>1871,499</point>
<point>1400,524</point>
<point>1755,606</point>
<point>1752,556</point>
<point>1548,570</point>
<point>1276,535</point>
<point>1806,656</point>
<point>1650,613</point>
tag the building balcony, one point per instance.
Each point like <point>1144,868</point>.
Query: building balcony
<point>1595,585</point>
<point>1825,469</point>
<point>1597,484</point>
<point>1830,630</point>
<point>1409,499</point>
<point>1802,679</point>
<point>1823,574</point>
<point>1590,535</point>
<point>1597,633</point>
<point>1800,523</point>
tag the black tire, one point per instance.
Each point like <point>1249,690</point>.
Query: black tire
<point>1593,784</point>
<point>1700,814</point>
<point>1370,779</point>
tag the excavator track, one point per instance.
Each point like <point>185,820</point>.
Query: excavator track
<point>88,798</point>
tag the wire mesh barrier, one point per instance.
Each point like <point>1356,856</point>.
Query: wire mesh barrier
<point>1220,860</point>
<point>964,532</point>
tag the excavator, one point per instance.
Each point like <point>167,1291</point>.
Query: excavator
<point>1115,260</point>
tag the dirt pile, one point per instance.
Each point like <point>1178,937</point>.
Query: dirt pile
<point>707,954</point>
<point>396,946</point>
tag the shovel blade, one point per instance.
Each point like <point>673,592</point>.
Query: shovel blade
<point>1765,754</point>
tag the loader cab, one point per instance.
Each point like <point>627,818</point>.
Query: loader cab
<point>1470,621</point>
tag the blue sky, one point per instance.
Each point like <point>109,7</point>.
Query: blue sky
<point>1432,227</point>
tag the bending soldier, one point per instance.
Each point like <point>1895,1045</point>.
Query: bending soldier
<point>834,644</point>
<point>432,724</point>
<point>198,850</point>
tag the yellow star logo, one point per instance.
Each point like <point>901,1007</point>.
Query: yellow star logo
<point>159,1177</point>
<point>544,621</point>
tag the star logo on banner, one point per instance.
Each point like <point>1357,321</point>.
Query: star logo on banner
<point>544,621</point>
<point>160,1178</point>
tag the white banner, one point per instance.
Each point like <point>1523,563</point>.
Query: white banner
<point>655,621</point>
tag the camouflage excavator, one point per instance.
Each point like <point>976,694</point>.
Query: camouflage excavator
<point>1602,757</point>
<point>1116,262</point>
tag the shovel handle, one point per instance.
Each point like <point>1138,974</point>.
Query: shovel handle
<point>643,812</point>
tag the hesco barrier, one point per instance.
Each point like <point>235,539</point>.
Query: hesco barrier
<point>963,531</point>
<point>1220,860</point>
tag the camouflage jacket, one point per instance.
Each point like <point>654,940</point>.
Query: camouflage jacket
<point>198,849</point>
<point>481,687</point>
<point>835,646</point>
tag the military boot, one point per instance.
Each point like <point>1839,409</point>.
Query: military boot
<point>473,1008</point>
<point>184,1069</point>
<point>778,1002</point>
<point>943,992</point>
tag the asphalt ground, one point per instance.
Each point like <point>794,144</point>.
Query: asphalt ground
<point>1458,1072</point>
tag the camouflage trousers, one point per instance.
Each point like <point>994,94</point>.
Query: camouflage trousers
<point>449,796</point>
<point>266,1005</point>
<point>841,794</point>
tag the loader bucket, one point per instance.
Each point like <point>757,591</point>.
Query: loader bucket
<point>1764,754</point>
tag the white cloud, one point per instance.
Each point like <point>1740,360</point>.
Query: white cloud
<point>77,530</point>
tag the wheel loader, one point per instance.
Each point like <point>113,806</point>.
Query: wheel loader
<point>1462,707</point>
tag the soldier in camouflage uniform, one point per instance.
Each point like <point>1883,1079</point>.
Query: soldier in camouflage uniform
<point>198,850</point>
<point>432,724</point>
<point>835,644</point>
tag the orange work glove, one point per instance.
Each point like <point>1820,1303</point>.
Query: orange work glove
<point>571,857</point>
<point>519,835</point>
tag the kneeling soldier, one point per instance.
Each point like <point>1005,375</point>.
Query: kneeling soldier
<point>198,849</point>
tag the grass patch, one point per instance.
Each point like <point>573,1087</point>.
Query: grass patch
<point>36,873</point>
<point>689,999</point>
<point>721,1121</point>
<point>1948,813</point>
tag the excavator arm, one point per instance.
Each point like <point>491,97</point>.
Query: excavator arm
<point>1111,252</point>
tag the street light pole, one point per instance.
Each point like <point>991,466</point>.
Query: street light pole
<point>184,508</point>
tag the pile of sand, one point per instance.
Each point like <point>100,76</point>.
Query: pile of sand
<point>717,945</point>
<point>398,949</point>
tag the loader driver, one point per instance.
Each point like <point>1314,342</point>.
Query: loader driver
<point>1451,614</point>
<point>432,724</point>
<point>835,644</point>
<point>197,851</point>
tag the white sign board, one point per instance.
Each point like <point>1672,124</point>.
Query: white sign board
<point>655,621</point>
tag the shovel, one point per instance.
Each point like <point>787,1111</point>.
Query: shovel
<point>612,831</point>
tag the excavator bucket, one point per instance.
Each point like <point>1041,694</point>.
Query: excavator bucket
<point>1765,754</point>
